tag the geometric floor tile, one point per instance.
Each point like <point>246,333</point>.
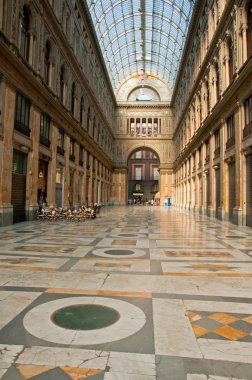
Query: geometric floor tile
<point>30,372</point>
<point>233,327</point>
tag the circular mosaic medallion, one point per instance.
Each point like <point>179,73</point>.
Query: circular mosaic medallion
<point>85,317</point>
<point>24,232</point>
<point>234,237</point>
<point>127,320</point>
<point>124,252</point>
<point>133,235</point>
<point>119,253</point>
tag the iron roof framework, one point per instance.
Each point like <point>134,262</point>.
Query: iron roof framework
<point>141,36</point>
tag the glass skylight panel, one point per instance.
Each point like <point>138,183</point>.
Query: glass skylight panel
<point>129,29</point>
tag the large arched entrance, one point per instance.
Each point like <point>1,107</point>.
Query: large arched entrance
<point>143,177</point>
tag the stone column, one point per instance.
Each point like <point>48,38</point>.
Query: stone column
<point>66,189</point>
<point>238,210</point>
<point>204,180</point>
<point>95,182</point>
<point>76,177</point>
<point>165,184</point>
<point>33,160</point>
<point>90,187</point>
<point>51,178</point>
<point>120,177</point>
<point>223,209</point>
<point>7,96</point>
<point>211,210</point>
<point>84,178</point>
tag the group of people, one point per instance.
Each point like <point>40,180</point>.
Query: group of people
<point>140,201</point>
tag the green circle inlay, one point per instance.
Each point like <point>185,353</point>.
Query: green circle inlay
<point>119,252</point>
<point>85,317</point>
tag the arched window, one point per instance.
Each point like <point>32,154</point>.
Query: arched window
<point>73,95</point>
<point>47,62</point>
<point>25,34</point>
<point>249,29</point>
<point>62,78</point>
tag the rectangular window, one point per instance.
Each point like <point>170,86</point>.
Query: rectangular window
<point>138,187</point>
<point>60,142</point>
<point>230,132</point>
<point>217,143</point>
<point>248,111</point>
<point>149,127</point>
<point>22,115</point>
<point>155,127</point>
<point>155,174</point>
<point>59,175</point>
<point>88,160</point>
<point>132,127</point>
<point>71,152</point>
<point>45,130</point>
<point>217,139</point>
<point>138,173</point>
<point>137,127</point>
<point>144,127</point>
<point>207,159</point>
<point>138,154</point>
<point>248,117</point>
<point>230,127</point>
<point>81,155</point>
<point>19,163</point>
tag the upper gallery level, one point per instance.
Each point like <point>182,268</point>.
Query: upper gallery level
<point>216,65</point>
<point>53,44</point>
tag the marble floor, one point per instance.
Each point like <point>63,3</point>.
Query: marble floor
<point>176,289</point>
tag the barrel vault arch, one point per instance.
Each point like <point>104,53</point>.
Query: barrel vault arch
<point>123,151</point>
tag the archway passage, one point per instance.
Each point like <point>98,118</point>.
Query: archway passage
<point>143,178</point>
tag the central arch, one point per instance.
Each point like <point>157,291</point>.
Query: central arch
<point>143,177</point>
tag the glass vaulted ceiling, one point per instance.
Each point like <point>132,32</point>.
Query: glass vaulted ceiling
<point>141,36</point>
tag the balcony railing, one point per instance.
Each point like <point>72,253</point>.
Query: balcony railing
<point>230,142</point>
<point>247,130</point>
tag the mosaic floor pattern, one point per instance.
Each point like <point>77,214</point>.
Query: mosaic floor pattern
<point>140,293</point>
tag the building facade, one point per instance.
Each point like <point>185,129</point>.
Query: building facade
<point>213,114</point>
<point>66,136</point>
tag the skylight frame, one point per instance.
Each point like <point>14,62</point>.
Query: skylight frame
<point>133,36</point>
